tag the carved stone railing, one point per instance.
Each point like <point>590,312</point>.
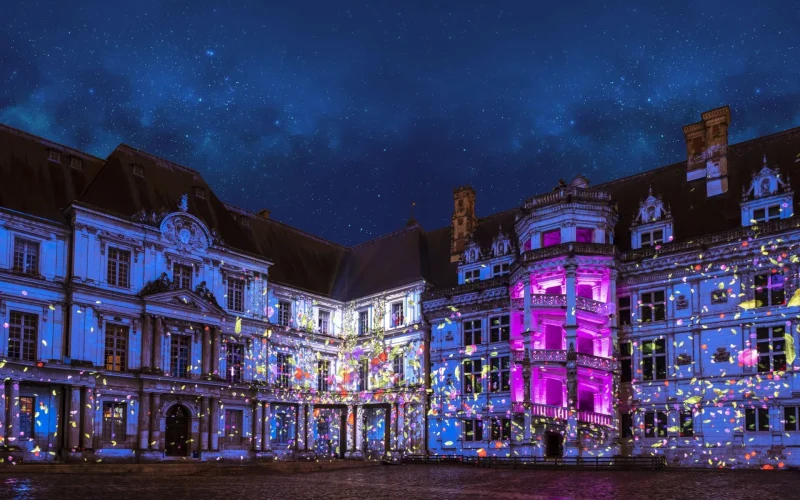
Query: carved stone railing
<point>475,286</point>
<point>548,355</point>
<point>567,193</point>
<point>590,305</point>
<point>518,303</point>
<point>548,411</point>
<point>566,249</point>
<point>518,356</point>
<point>591,417</point>
<point>551,300</point>
<point>596,362</point>
<point>548,300</point>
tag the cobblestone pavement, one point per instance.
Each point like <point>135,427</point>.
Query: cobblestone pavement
<point>411,482</point>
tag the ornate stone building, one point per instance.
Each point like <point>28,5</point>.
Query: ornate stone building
<point>143,319</point>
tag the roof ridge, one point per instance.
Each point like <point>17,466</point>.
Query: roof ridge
<point>296,230</point>
<point>19,132</point>
<point>153,157</point>
<point>387,235</point>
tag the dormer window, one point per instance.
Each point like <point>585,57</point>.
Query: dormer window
<point>651,238</point>
<point>472,275</point>
<point>653,223</point>
<point>199,192</point>
<point>76,163</point>
<point>767,213</point>
<point>244,221</point>
<point>54,156</point>
<point>769,197</point>
<point>501,269</point>
<point>138,170</point>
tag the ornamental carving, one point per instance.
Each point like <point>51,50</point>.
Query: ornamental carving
<point>684,359</point>
<point>651,210</point>
<point>765,183</point>
<point>721,355</point>
<point>681,302</point>
<point>152,217</point>
<point>185,233</point>
<point>502,243</point>
<point>719,297</point>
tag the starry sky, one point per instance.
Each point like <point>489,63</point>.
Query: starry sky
<point>337,115</point>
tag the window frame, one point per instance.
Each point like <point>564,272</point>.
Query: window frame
<point>118,259</point>
<point>684,418</point>
<point>473,430</point>
<point>768,213</point>
<point>235,295</point>
<point>27,336</point>
<point>769,344</point>
<point>393,318</point>
<point>549,232</point>
<point>323,375</point>
<point>363,322</point>
<point>499,328</point>
<point>54,156</point>
<point>363,374</point>
<point>285,312</point>
<point>500,429</point>
<point>657,358</point>
<point>626,358</point>
<point>28,433</point>
<point>652,239</point>
<point>504,269</point>
<point>233,426</point>
<point>472,331</point>
<point>775,294</point>
<point>791,412</point>
<point>472,275</point>
<point>283,370</point>
<point>472,381</point>
<point>652,310</point>
<point>584,229</point>
<point>760,418</point>
<point>399,368</point>
<point>180,344</point>
<point>178,276</point>
<point>624,311</point>
<point>26,254</point>
<point>234,351</point>
<point>499,374</point>
<point>119,335</point>
<point>657,428</point>
<point>113,424</point>
<point>324,326</point>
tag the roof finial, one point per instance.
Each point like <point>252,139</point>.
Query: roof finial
<point>651,190</point>
<point>411,220</point>
<point>765,159</point>
<point>183,203</point>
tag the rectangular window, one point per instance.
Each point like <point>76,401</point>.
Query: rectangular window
<point>363,375</point>
<point>472,332</point>
<point>627,425</point>
<point>584,234</point>
<point>652,307</point>
<point>179,355</point>
<point>26,256</point>
<point>687,424</point>
<point>76,163</point>
<point>770,344</point>
<point>624,310</point>
<point>54,156</point>
<point>324,322</point>
<point>22,333</point>
<point>235,294</point>
<point>655,424</point>
<point>116,347</point>
<point>652,238</point>
<point>398,368</point>
<point>499,329</point>
<point>791,417</point>
<point>233,427</point>
<point>27,417</point>
<point>284,424</point>
<point>113,421</point>
<point>501,269</point>
<point>472,376</point>
<point>550,238</point>
<point>199,192</point>
<point>284,312</point>
<point>767,213</point>
<point>769,290</point>
<point>472,276</point>
<point>182,276</point>
<point>473,430</point>
<point>234,360</point>
<point>756,420</point>
<point>397,315</point>
<point>501,429</point>
<point>119,267</point>
<point>499,374</point>
<point>654,359</point>
<point>323,374</point>
<point>363,322</point>
<point>284,367</point>
<point>138,170</point>
<point>625,362</point>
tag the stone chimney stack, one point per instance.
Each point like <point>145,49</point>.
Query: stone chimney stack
<point>707,150</point>
<point>464,220</point>
<point>264,213</point>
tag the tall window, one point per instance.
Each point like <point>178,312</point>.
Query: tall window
<point>284,312</point>
<point>116,347</point>
<point>182,276</point>
<point>550,238</point>
<point>655,424</point>
<point>284,424</point>
<point>472,332</point>
<point>501,269</point>
<point>284,370</point>
<point>584,234</point>
<point>625,362</point>
<point>770,344</point>
<point>652,307</point>
<point>756,420</point>
<point>119,267</point>
<point>398,368</point>
<point>472,376</point>
<point>769,290</point>
<point>501,429</point>
<point>397,315</point>
<point>26,256</point>
<point>472,275</point>
<point>233,427</point>
<point>652,238</point>
<point>234,359</point>
<point>113,421</point>
<point>27,417</point>
<point>22,330</point>
<point>654,359</point>
<point>363,322</point>
<point>363,375</point>
<point>236,294</point>
<point>499,329</point>
<point>473,430</point>
<point>324,321</point>
<point>627,425</point>
<point>323,374</point>
<point>499,374</point>
<point>179,355</point>
<point>687,424</point>
<point>791,417</point>
<point>624,310</point>
<point>767,213</point>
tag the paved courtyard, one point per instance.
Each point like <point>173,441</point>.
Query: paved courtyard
<point>412,482</point>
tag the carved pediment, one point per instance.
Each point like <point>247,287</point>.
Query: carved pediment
<point>502,244</point>
<point>185,299</point>
<point>652,209</point>
<point>185,232</point>
<point>765,183</point>
<point>472,252</point>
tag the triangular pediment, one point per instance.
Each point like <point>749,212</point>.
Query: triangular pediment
<point>185,299</point>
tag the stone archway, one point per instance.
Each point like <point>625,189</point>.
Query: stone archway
<point>177,435</point>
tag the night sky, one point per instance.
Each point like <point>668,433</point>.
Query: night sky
<point>336,115</point>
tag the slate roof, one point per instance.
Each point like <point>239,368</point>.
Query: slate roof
<point>30,183</point>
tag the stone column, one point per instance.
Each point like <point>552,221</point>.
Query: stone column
<point>204,411</point>
<point>266,443</point>
<point>13,412</point>
<point>73,418</point>
<point>215,351</point>
<point>310,422</point>
<point>401,422</point>
<point>351,429</point>
<point>300,430</point>
<point>359,428</point>
<point>571,321</point>
<point>87,418</point>
<point>206,368</point>
<point>158,344</point>
<point>144,420</point>
<point>5,420</point>
<point>155,422</point>
<point>526,429</point>
<point>526,301</point>
<point>214,403</point>
<point>392,426</point>
<point>258,417</point>
<point>147,341</point>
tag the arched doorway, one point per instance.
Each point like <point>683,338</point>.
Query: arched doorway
<point>177,436</point>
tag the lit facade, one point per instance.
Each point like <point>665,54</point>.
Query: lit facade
<point>145,320</point>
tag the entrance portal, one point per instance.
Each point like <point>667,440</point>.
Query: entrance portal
<point>375,432</point>
<point>554,445</point>
<point>331,438</point>
<point>176,437</point>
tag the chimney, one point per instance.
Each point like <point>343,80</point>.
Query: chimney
<point>264,213</point>
<point>463,220</point>
<point>707,150</point>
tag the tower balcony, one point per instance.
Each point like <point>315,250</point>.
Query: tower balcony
<point>562,413</point>
<point>555,301</point>
<point>568,249</point>
<point>559,357</point>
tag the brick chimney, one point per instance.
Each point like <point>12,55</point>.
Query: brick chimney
<point>264,213</point>
<point>464,220</point>
<point>707,150</point>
